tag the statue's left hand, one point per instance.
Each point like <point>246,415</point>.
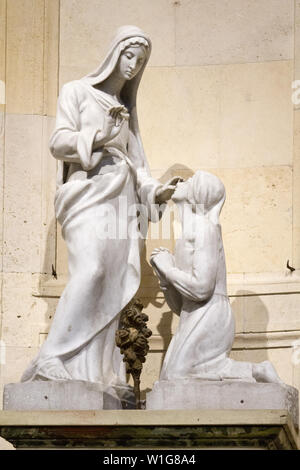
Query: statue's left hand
<point>166,191</point>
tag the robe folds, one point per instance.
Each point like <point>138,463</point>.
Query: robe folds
<point>203,340</point>
<point>95,205</point>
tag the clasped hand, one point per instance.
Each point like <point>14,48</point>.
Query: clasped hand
<point>162,260</point>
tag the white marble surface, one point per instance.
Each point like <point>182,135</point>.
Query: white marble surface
<point>227,395</point>
<point>63,395</point>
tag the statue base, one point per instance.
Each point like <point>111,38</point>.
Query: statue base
<point>193,394</point>
<point>139,429</point>
<point>66,395</point>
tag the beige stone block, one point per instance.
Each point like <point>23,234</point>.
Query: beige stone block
<point>281,282</point>
<point>2,109</point>
<point>45,304</point>
<point>257,218</point>
<point>2,39</point>
<point>271,313</point>
<point>1,279</point>
<point>51,56</point>
<point>62,254</point>
<point>22,203</point>
<point>250,104</point>
<point>268,340</point>
<point>46,285</point>
<point>237,306</point>
<point>69,73</point>
<point>217,116</point>
<point>178,109</point>
<point>48,229</point>
<point>32,55</point>
<point>280,358</point>
<point>24,316</point>
<point>25,56</point>
<point>28,200</point>
<point>214,32</point>
<point>297,40</point>
<point>296,191</point>
<point>151,371</point>
<point>86,29</point>
<point>2,127</point>
<point>18,358</point>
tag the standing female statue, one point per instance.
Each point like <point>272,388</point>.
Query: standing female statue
<point>102,163</point>
<point>194,284</point>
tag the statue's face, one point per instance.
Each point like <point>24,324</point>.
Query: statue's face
<point>181,192</point>
<point>131,61</point>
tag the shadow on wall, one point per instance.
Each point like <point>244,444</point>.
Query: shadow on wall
<point>48,273</point>
<point>251,316</point>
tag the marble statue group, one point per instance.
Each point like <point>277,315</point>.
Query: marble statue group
<point>101,160</point>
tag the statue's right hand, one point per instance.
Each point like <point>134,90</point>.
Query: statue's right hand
<point>113,121</point>
<point>112,125</point>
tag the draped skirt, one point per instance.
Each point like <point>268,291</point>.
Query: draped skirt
<point>201,345</point>
<point>100,228</point>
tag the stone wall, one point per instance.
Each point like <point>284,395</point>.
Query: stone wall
<point>217,95</point>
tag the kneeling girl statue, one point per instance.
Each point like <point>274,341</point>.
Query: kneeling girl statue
<point>194,285</point>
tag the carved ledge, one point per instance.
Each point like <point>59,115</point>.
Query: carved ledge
<point>239,285</point>
<point>200,429</point>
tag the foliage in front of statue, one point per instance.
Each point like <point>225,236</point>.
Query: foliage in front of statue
<point>132,337</point>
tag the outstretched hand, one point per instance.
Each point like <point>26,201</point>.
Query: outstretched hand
<point>166,191</point>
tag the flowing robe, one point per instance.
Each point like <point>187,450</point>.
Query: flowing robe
<point>96,209</point>
<point>205,334</point>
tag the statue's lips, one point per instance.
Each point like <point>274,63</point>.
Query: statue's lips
<point>129,73</point>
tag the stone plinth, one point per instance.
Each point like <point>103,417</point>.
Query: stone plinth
<point>231,395</point>
<point>63,395</point>
<point>142,429</point>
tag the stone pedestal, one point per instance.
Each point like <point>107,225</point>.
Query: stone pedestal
<point>193,394</point>
<point>142,429</point>
<point>65,395</point>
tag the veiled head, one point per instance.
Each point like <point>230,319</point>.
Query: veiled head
<point>204,190</point>
<point>131,61</point>
<point>129,50</point>
<point>134,39</point>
